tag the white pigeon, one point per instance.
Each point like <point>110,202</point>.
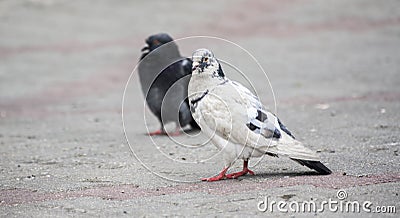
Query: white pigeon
<point>236,121</point>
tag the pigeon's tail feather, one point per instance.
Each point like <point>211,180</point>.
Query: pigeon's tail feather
<point>315,165</point>
<point>293,149</point>
<point>296,151</point>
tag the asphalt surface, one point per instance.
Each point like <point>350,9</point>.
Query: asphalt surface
<point>334,69</point>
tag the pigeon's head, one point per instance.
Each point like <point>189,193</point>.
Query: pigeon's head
<point>205,61</point>
<point>155,41</point>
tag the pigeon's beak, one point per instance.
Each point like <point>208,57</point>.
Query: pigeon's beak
<point>195,65</point>
<point>145,48</point>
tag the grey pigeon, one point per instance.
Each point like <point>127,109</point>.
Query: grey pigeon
<point>236,121</point>
<point>164,76</point>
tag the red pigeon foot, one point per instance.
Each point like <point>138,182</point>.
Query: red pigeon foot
<point>238,174</point>
<point>157,132</point>
<point>241,173</point>
<point>218,177</point>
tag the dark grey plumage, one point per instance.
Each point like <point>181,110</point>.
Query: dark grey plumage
<point>164,76</point>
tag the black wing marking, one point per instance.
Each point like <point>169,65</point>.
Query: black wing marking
<point>261,122</point>
<point>315,165</point>
<point>220,72</point>
<point>285,129</point>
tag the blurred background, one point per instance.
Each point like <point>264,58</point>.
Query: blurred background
<point>53,51</point>
<point>334,67</point>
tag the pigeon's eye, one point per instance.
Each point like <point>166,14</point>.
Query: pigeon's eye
<point>205,59</point>
<point>156,42</point>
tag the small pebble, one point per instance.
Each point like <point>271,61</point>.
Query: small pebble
<point>81,210</point>
<point>322,106</point>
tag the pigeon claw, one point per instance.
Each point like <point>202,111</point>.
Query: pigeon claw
<point>218,177</point>
<point>163,132</point>
<point>238,174</point>
<point>157,132</point>
<point>213,179</point>
<point>241,173</point>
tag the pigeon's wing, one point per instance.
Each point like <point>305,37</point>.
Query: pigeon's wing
<point>263,122</point>
<point>238,116</point>
<point>186,66</point>
<point>174,81</point>
<point>232,107</point>
<point>259,120</point>
<point>186,72</point>
<point>154,98</point>
<point>181,68</point>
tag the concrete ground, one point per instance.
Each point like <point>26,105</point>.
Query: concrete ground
<point>334,67</point>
